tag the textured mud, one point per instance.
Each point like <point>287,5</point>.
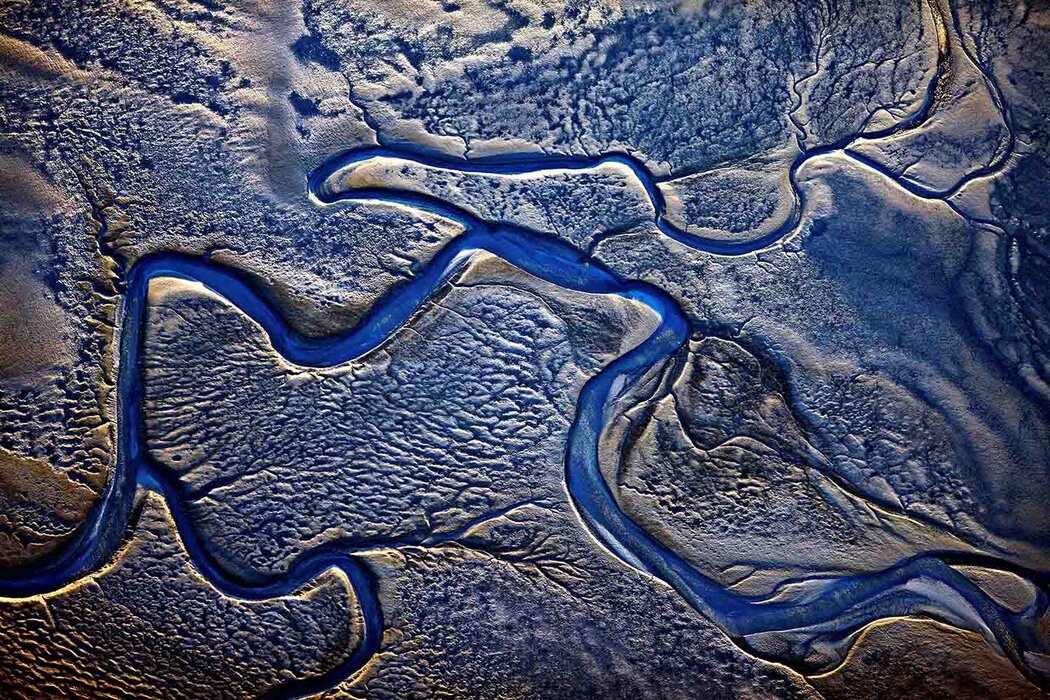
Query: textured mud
<point>508,349</point>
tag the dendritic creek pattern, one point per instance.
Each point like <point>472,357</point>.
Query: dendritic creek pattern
<point>515,349</point>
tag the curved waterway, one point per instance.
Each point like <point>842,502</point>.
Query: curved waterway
<point>530,164</point>
<point>832,608</point>
<point>925,584</point>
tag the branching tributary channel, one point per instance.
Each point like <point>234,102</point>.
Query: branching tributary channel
<point>831,608</point>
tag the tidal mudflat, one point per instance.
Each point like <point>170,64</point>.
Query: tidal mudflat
<point>502,349</point>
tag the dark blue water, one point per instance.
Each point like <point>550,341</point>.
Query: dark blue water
<point>833,608</point>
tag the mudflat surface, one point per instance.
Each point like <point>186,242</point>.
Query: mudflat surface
<point>357,349</point>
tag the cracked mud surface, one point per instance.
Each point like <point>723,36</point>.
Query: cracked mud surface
<point>524,350</point>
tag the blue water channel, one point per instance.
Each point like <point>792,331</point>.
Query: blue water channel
<point>925,584</point>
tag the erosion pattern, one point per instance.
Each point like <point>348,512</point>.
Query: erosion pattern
<point>509,349</point>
